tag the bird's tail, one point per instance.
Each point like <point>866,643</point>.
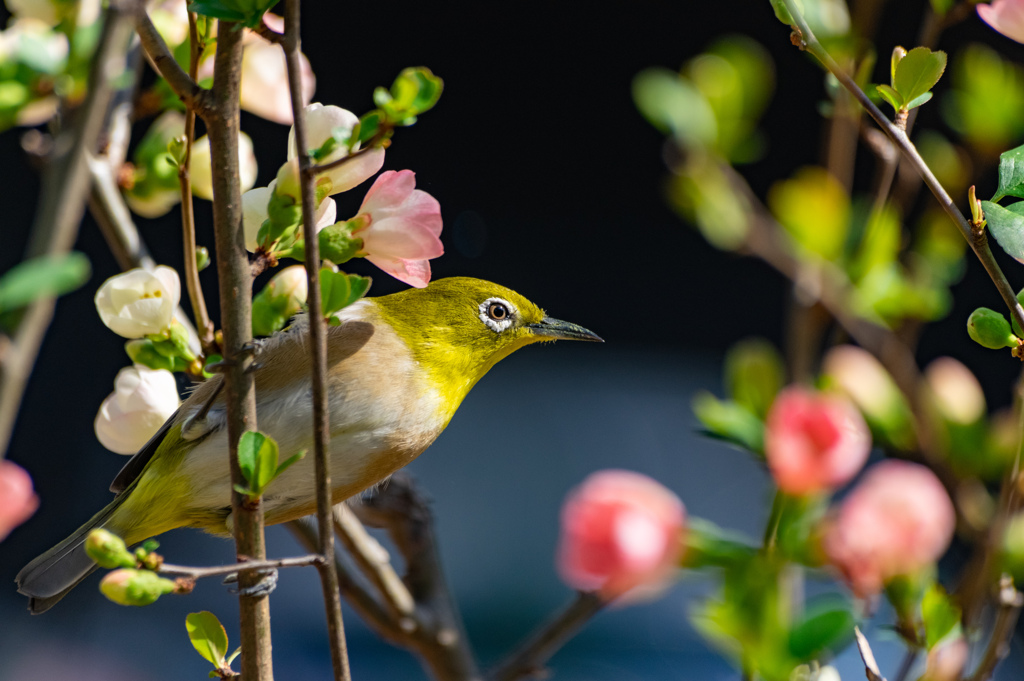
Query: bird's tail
<point>50,577</point>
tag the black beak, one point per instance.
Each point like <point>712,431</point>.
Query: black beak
<point>557,329</point>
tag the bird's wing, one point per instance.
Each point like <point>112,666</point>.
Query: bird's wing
<point>208,391</point>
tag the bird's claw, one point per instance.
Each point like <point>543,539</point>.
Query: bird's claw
<point>264,587</point>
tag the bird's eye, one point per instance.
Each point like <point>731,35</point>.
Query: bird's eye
<point>497,311</point>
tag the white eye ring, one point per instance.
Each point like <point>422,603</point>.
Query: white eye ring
<point>490,307</point>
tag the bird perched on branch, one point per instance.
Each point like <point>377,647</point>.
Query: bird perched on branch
<point>399,366</point>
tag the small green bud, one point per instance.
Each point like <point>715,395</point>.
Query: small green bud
<point>288,181</point>
<point>283,212</point>
<point>202,258</point>
<point>135,587</point>
<point>176,148</point>
<point>145,352</point>
<point>108,550</point>
<point>990,329</point>
<point>754,374</point>
<point>279,300</point>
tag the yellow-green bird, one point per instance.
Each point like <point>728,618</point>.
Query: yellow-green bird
<point>399,366</point>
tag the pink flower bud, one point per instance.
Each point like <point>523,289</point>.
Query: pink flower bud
<point>898,520</point>
<point>17,500</point>
<point>814,442</point>
<point>405,224</point>
<point>620,530</point>
<point>265,76</point>
<point>1005,16</point>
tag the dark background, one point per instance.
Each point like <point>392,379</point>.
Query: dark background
<point>551,183</point>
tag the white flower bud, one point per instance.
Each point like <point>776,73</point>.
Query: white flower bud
<point>139,302</point>
<point>254,212</point>
<point>321,122</point>
<point>201,175</point>
<point>142,400</point>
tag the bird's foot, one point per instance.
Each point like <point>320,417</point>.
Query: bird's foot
<point>264,587</point>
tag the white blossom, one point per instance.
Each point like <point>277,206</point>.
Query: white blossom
<point>142,400</point>
<point>138,302</point>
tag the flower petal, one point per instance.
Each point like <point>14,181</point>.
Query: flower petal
<point>413,272</point>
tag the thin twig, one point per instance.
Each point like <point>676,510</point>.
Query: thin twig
<point>977,238</point>
<point>530,658</point>
<point>200,572</point>
<point>374,562</point>
<point>909,658</point>
<point>373,612</point>
<point>204,326</point>
<point>439,636</point>
<point>61,205</point>
<point>324,167</point>
<point>194,97</point>
<point>236,322</point>
<point>1010,602</point>
<point>864,648</point>
<point>318,354</point>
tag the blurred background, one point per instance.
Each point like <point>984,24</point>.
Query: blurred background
<point>551,183</point>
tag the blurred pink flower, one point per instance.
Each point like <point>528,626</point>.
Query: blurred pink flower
<point>814,442</point>
<point>898,520</point>
<point>17,500</point>
<point>404,227</point>
<point>264,89</point>
<point>1005,16</point>
<point>620,530</point>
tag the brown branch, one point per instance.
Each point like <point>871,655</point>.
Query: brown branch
<point>204,326</point>
<point>530,658</point>
<point>324,167</point>
<point>318,354</point>
<point>439,637</point>
<point>374,562</point>
<point>1010,602</point>
<point>163,62</point>
<point>222,122</point>
<point>61,205</point>
<point>200,572</point>
<point>365,603</point>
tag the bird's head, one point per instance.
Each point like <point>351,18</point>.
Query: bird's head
<point>458,328</point>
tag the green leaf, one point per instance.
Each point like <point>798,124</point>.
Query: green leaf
<point>369,124</point>
<point>673,105</point>
<point>918,72</point>
<point>939,614</point>
<point>729,421</point>
<point>1007,226</point>
<point>257,454</point>
<point>754,374</point>
<point>919,100</point>
<point>42,277</point>
<point>339,290</point>
<point>1011,174</point>
<point>890,95</point>
<point>708,545</point>
<point>415,91</point>
<point>288,462</point>
<point>248,12</point>
<point>208,636</point>
<point>823,627</point>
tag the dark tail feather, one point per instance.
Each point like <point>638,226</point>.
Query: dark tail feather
<point>50,577</point>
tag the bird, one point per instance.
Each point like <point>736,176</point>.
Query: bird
<point>398,367</point>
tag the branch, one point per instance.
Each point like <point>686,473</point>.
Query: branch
<point>529,659</point>
<point>200,572</point>
<point>439,637</point>
<point>375,563</point>
<point>364,602</point>
<point>977,238</point>
<point>163,62</point>
<point>318,354</point>
<point>1010,602</point>
<point>870,666</point>
<point>324,167</point>
<point>61,205</point>
<point>222,124</point>
<point>188,225</point>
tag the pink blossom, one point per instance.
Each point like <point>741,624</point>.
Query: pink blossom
<point>814,442</point>
<point>898,520</point>
<point>404,227</point>
<point>620,530</point>
<point>1005,16</point>
<point>265,76</point>
<point>17,500</point>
